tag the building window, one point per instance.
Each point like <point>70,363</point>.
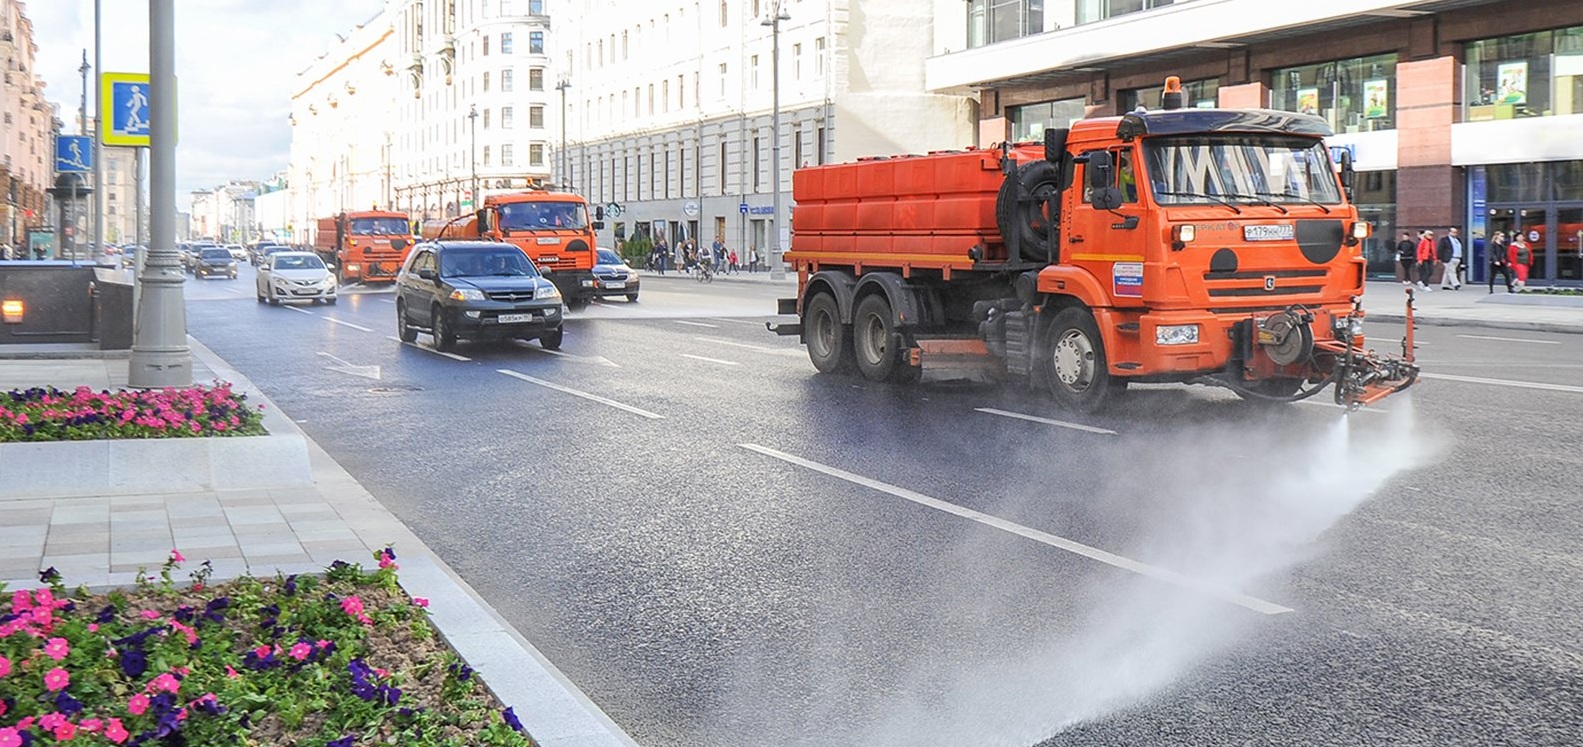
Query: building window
<point>1029,121</point>
<point>505,42</point>
<point>536,117</point>
<point>507,117</point>
<point>819,146</point>
<point>818,56</point>
<point>1089,11</point>
<point>1356,95</point>
<point>507,80</point>
<point>681,94</point>
<point>665,95</point>
<point>624,46</point>
<point>990,21</point>
<point>796,62</point>
<point>1375,198</point>
<point>486,46</point>
<point>1200,94</point>
<point>507,155</point>
<point>722,80</point>
<point>724,14</point>
<point>720,168</point>
<point>486,155</point>
<point>535,42</point>
<point>536,154</point>
<point>536,79</point>
<point>1529,75</point>
<point>486,119</point>
<point>486,82</point>
<point>753,72</point>
<point>758,157</point>
<point>535,7</point>
<point>651,99</point>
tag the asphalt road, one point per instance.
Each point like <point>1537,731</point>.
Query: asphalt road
<point>723,548</point>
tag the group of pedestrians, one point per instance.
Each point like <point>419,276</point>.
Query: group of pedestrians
<point>1424,257</point>
<point>717,257</point>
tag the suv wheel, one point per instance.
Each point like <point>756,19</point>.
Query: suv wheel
<point>404,328</point>
<point>552,340</point>
<point>444,338</point>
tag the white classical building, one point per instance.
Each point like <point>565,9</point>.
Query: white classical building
<point>669,110</point>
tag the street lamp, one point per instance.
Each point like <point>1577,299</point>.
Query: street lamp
<point>472,126</point>
<point>777,14</point>
<point>562,86</point>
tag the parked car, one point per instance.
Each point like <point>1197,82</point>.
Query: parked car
<point>476,290</point>
<point>614,277</point>
<point>294,276</point>
<point>261,253</point>
<point>238,252</point>
<point>212,261</point>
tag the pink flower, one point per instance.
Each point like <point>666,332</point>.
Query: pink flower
<point>321,643</point>
<point>65,732</point>
<point>91,725</point>
<point>3,708</point>
<point>57,648</point>
<point>229,672</point>
<point>56,679</point>
<point>5,666</point>
<point>352,606</point>
<point>10,738</point>
<point>150,614</point>
<point>176,556</point>
<point>93,627</point>
<point>115,732</point>
<point>300,651</point>
<point>49,721</point>
<point>262,650</point>
<point>137,704</point>
<point>165,682</point>
<point>420,601</point>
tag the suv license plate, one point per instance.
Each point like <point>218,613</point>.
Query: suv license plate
<point>515,318</point>
<point>616,286</point>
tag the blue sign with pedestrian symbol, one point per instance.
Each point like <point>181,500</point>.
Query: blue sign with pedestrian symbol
<point>73,154</point>
<point>124,97</point>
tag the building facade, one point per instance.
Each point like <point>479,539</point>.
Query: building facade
<point>225,214</point>
<point>120,198</point>
<point>669,111</point>
<point>27,127</point>
<point>1457,112</point>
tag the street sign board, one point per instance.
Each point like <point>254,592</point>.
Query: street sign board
<point>743,208</point>
<point>126,97</point>
<point>73,154</point>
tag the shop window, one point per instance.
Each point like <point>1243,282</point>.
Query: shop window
<point>1201,94</point>
<point>990,21</point>
<point>1374,194</point>
<point>1028,122</point>
<point>1355,95</point>
<point>1089,11</point>
<point>1529,75</point>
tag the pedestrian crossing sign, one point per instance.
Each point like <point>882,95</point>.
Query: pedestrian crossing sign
<point>124,100</point>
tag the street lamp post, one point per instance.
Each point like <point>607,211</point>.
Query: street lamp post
<point>472,127</point>
<point>565,178</point>
<point>777,14</point>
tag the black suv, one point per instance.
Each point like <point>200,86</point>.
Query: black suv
<point>213,260</point>
<point>479,290</point>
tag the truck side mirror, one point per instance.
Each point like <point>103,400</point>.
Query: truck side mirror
<point>599,225</point>
<point>1349,175</point>
<point>481,220</point>
<point>1103,195</point>
<point>599,213</point>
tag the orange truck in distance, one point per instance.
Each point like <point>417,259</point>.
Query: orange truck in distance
<point>1179,245</point>
<point>552,228</point>
<point>364,245</point>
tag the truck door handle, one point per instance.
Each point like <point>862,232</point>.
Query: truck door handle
<point>1076,240</point>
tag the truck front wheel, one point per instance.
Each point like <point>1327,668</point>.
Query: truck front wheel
<point>828,346</point>
<point>1076,369</point>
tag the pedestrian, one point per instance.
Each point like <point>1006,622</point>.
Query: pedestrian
<point>733,258</point>
<point>1519,255</point>
<point>1497,260</point>
<point>717,250</point>
<point>1449,252</point>
<point>1407,254</point>
<point>1426,258</point>
<point>661,253</point>
<point>753,258</point>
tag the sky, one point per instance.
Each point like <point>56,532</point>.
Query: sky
<point>236,65</point>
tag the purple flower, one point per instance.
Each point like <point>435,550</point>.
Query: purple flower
<point>105,615</point>
<point>291,585</point>
<point>48,575</point>
<point>134,662</point>
<point>345,741</point>
<point>67,705</point>
<point>511,719</point>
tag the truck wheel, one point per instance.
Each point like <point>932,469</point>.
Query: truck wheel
<point>873,339</point>
<point>1032,221</point>
<point>1076,368</point>
<point>444,338</point>
<point>828,346</point>
<point>404,328</point>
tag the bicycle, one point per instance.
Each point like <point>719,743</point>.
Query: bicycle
<point>706,273</point>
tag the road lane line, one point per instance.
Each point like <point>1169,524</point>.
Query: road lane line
<point>1072,546</point>
<point>696,324</point>
<point>711,360</point>
<point>1510,339</point>
<point>748,322</point>
<point>333,320</point>
<point>579,393</point>
<point>452,356</point>
<point>1504,382</point>
<point>1397,341</point>
<point>755,348</point>
<point>299,311</point>
<point>1046,421</point>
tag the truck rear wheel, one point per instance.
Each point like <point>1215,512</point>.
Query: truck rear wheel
<point>1076,368</point>
<point>828,345</point>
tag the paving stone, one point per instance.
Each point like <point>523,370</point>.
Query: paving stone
<point>16,517</point>
<point>253,515</point>
<point>65,514</point>
<point>56,547</point>
<point>140,516</point>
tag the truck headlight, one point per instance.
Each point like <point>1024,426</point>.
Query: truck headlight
<point>1176,334</point>
<point>467,294</point>
<point>1185,233</point>
<point>352,267</point>
<point>1360,230</point>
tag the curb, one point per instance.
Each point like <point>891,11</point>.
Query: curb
<point>60,355</point>
<point>790,281</point>
<point>1565,329</point>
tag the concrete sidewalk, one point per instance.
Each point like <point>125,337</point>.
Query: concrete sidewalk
<point>103,541</point>
<point>1476,306</point>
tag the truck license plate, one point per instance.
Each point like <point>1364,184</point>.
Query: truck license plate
<point>1281,232</point>
<point>515,318</point>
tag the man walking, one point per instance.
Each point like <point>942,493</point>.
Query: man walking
<point>1497,258</point>
<point>1449,252</point>
<point>1407,254</point>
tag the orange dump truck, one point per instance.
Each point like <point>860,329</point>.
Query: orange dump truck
<point>1180,245</point>
<point>552,228</point>
<point>365,245</point>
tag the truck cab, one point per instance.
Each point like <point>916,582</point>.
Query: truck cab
<point>364,246</point>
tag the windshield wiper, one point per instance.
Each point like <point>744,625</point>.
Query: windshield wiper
<point>1264,199</point>
<point>1220,200</point>
<point>1308,200</point>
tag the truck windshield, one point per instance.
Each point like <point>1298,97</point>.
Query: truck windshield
<point>1244,169</point>
<point>379,227</point>
<point>529,216</point>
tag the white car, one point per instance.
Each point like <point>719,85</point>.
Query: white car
<point>238,252</point>
<point>294,276</point>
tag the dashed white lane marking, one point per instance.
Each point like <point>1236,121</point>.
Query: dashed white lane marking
<point>300,311</point>
<point>1504,382</point>
<point>1510,339</point>
<point>710,360</point>
<point>597,360</point>
<point>755,348</point>
<point>1061,543</point>
<point>1046,421</point>
<point>696,324</point>
<point>579,393</point>
<point>358,327</point>
<point>748,322</point>
<point>452,356</point>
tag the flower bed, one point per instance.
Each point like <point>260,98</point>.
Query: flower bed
<point>50,414</point>
<point>347,659</point>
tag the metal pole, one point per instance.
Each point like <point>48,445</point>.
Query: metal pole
<point>140,257</point>
<point>565,180</point>
<point>96,253</point>
<point>160,356</point>
<point>472,129</point>
<point>82,129</point>
<point>776,271</point>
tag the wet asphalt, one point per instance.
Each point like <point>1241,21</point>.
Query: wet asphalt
<point>682,551</point>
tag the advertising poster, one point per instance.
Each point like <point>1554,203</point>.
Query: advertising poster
<point>1376,94</point>
<point>1308,100</point>
<point>1512,83</point>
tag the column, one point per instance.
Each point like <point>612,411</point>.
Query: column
<point>1428,189</point>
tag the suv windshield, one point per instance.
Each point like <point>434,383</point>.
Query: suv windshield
<point>215,254</point>
<point>299,263</point>
<point>485,262</point>
<point>528,216</point>
<point>1256,169</point>
<point>379,227</point>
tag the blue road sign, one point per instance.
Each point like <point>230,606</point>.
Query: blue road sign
<point>73,154</point>
<point>125,96</point>
<point>743,208</point>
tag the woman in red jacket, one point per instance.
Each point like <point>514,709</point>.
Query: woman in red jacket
<point>1519,255</point>
<point>1426,258</point>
